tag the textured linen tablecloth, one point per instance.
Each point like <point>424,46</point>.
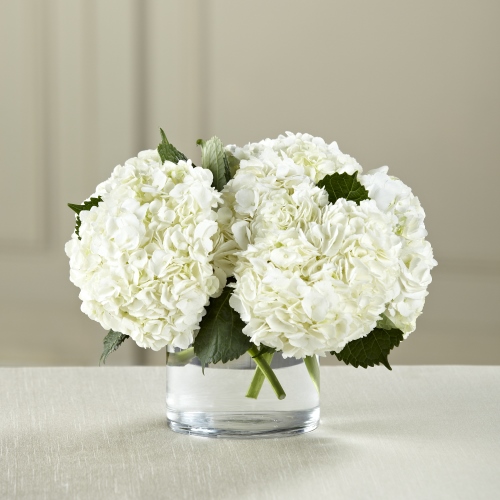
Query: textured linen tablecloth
<point>426,432</point>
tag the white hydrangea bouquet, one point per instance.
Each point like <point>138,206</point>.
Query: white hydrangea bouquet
<point>279,246</point>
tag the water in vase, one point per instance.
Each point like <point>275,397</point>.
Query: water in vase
<point>214,403</point>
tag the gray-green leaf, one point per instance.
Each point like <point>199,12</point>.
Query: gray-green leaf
<point>168,152</point>
<point>220,337</point>
<point>344,186</point>
<point>213,157</point>
<point>86,205</point>
<point>112,341</point>
<point>372,349</point>
<point>234,164</point>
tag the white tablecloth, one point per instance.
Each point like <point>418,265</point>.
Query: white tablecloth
<point>416,432</point>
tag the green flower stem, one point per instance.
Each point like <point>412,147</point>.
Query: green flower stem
<point>312,366</point>
<point>267,371</point>
<point>180,358</point>
<point>258,377</point>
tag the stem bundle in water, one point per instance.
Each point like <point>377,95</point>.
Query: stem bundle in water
<point>258,378</point>
<point>180,358</point>
<point>263,370</point>
<point>312,366</point>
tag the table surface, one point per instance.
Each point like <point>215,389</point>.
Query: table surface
<point>426,432</point>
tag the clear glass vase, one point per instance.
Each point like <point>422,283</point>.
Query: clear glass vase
<point>215,403</point>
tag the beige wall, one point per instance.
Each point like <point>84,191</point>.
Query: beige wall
<point>86,83</point>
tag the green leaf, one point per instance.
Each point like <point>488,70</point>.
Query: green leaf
<point>344,186</point>
<point>220,337</point>
<point>385,323</point>
<point>372,349</point>
<point>86,205</point>
<point>213,157</point>
<point>112,341</point>
<point>234,165</point>
<point>168,152</point>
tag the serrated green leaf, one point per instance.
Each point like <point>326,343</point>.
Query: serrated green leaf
<point>344,186</point>
<point>112,341</point>
<point>213,157</point>
<point>168,152</point>
<point>372,349</point>
<point>86,205</point>
<point>220,337</point>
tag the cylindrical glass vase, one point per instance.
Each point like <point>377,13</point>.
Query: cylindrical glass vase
<point>214,403</point>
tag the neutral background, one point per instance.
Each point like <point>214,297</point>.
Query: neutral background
<point>85,84</point>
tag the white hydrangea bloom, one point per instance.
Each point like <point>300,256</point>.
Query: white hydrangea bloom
<point>310,290</point>
<point>313,154</point>
<point>266,195</point>
<point>416,260</point>
<point>144,259</point>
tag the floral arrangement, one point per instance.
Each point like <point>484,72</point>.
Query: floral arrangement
<point>279,246</point>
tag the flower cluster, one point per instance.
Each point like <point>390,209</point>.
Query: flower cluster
<point>379,274</point>
<point>266,195</point>
<point>311,291</point>
<point>416,260</point>
<point>143,262</point>
<point>313,154</point>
